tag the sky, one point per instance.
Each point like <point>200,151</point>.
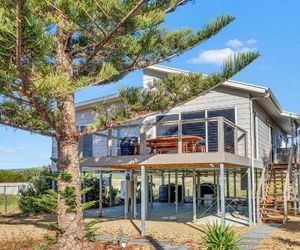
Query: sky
<point>270,27</point>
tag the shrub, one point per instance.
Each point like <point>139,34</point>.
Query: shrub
<point>33,195</point>
<point>11,176</point>
<point>220,238</point>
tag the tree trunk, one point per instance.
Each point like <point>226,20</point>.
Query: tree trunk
<point>70,216</point>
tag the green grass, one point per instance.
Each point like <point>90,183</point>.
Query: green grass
<point>12,202</point>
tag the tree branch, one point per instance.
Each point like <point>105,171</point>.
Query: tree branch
<point>105,39</point>
<point>171,8</point>
<point>25,89</point>
<point>26,128</point>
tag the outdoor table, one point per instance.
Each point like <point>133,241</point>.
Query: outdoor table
<point>170,143</point>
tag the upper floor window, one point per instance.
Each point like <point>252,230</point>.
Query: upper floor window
<point>164,129</point>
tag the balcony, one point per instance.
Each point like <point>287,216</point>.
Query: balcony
<point>179,143</point>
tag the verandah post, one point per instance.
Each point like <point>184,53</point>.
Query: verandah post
<point>194,197</point>
<point>143,199</point>
<point>249,192</point>
<point>100,194</point>
<point>176,192</point>
<point>222,186</point>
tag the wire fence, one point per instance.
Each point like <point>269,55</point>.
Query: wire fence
<point>9,197</point>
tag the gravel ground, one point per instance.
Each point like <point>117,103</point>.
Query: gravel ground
<point>181,234</point>
<point>285,237</point>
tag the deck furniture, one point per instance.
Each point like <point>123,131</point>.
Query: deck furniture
<point>170,143</point>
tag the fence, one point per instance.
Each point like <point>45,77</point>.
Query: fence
<point>9,197</point>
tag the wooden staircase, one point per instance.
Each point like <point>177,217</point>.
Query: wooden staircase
<point>272,203</point>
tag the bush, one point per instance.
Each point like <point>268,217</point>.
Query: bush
<point>11,176</point>
<point>220,238</point>
<point>33,196</point>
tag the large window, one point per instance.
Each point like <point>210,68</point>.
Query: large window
<point>195,128</point>
<point>87,146</point>
<point>229,114</point>
<point>167,130</point>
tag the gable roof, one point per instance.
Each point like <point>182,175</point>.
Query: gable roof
<point>263,95</point>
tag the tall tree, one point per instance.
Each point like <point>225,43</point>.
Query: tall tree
<point>49,49</point>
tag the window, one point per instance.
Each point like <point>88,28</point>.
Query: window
<point>193,115</point>
<point>87,146</point>
<point>166,118</point>
<point>229,114</point>
<point>197,128</point>
<point>167,130</point>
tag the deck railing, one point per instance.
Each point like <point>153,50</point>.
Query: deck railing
<point>184,136</point>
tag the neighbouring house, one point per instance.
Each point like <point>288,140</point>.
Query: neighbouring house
<point>236,134</point>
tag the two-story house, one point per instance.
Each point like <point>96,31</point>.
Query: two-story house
<point>236,128</point>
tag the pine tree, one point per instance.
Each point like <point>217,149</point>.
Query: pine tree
<point>51,48</point>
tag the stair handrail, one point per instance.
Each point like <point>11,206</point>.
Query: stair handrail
<point>286,191</point>
<point>260,188</point>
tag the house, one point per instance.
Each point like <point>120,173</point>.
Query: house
<point>234,129</point>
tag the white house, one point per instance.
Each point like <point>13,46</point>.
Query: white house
<point>236,127</point>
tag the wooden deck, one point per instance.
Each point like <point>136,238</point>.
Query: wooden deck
<point>168,161</point>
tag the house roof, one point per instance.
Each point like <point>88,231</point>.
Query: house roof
<point>263,95</point>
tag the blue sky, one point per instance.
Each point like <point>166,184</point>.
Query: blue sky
<point>271,27</point>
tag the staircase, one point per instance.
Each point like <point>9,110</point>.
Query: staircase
<point>274,205</point>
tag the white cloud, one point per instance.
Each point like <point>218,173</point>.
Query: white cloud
<point>251,41</point>
<point>216,56</point>
<point>10,150</point>
<point>234,43</point>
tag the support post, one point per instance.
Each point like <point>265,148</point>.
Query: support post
<point>147,194</point>
<point>151,191</point>
<point>176,192</point>
<point>143,199</point>
<point>132,194</point>
<point>227,184</point>
<point>110,190</point>
<point>222,186</point>
<point>218,194</point>
<point>182,189</point>
<point>169,188</point>
<point>194,197</point>
<point>198,188</point>
<point>162,178</point>
<point>100,194</point>
<point>249,196</point>
<point>126,197</point>
<point>234,183</point>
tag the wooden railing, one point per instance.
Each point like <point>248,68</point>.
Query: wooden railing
<point>287,182</point>
<point>265,177</point>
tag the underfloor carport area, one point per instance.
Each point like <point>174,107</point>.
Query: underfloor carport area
<point>196,188</point>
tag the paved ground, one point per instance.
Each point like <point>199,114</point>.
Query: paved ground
<point>254,237</point>
<point>166,212</point>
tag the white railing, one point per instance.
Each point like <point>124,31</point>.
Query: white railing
<point>215,134</point>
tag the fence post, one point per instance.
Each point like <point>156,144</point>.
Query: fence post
<point>5,201</point>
